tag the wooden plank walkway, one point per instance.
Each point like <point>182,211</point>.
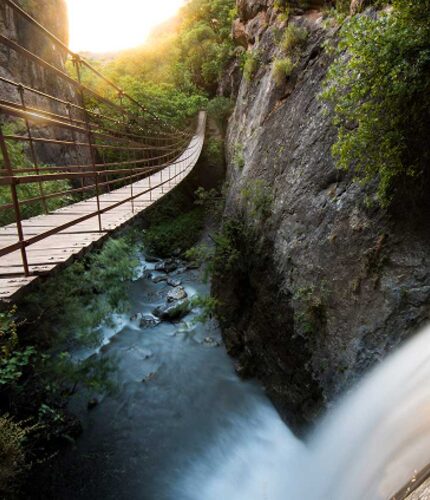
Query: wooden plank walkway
<point>60,249</point>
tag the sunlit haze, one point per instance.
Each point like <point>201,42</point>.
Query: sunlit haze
<point>111,25</point>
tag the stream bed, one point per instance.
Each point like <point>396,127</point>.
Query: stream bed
<point>168,431</point>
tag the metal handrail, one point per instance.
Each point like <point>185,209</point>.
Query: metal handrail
<point>110,144</point>
<point>76,57</point>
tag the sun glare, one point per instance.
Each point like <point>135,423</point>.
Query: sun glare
<point>112,25</point>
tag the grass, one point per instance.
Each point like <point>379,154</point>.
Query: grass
<point>294,38</point>
<point>282,69</point>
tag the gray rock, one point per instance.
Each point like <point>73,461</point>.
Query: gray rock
<point>339,284</point>
<point>159,278</point>
<point>210,341</point>
<point>151,259</point>
<point>177,293</point>
<point>174,283</point>
<point>166,266</point>
<point>148,321</point>
<point>172,312</point>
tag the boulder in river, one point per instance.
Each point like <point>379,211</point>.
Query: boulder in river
<point>166,266</point>
<point>151,259</point>
<point>210,341</point>
<point>174,283</point>
<point>172,312</point>
<point>149,321</point>
<point>159,279</point>
<point>177,293</point>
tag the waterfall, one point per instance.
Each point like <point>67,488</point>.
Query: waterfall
<point>367,447</point>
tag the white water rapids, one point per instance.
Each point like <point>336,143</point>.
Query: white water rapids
<point>367,448</point>
<point>183,426</point>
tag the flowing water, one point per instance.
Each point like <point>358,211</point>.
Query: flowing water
<point>183,426</point>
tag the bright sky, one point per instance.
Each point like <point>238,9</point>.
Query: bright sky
<point>110,25</point>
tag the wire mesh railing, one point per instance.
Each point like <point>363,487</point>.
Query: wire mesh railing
<point>98,143</point>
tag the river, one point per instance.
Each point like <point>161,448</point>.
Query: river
<point>183,426</point>
<point>178,408</point>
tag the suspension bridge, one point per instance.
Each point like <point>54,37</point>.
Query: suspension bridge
<point>115,159</point>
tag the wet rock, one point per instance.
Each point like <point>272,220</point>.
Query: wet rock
<point>151,259</point>
<point>210,341</point>
<point>167,266</point>
<point>92,403</point>
<point>172,312</point>
<point>148,321</point>
<point>177,293</point>
<point>146,275</point>
<point>181,270</point>
<point>159,278</point>
<point>174,283</point>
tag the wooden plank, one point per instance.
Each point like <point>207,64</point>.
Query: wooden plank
<point>60,248</point>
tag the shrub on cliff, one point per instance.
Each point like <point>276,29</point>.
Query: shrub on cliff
<point>282,69</point>
<point>379,89</point>
<point>294,38</point>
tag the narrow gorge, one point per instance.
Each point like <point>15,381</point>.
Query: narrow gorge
<point>255,326</point>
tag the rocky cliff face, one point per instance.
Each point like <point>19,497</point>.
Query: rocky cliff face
<point>52,14</point>
<point>326,285</point>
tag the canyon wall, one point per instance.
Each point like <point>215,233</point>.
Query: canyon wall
<point>327,285</point>
<point>52,14</point>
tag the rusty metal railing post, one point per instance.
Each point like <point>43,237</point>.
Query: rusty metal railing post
<point>150,188</point>
<point>32,148</point>
<point>75,147</point>
<point>77,63</point>
<point>15,200</point>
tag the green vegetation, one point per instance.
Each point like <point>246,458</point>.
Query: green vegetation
<point>225,253</point>
<point>219,109</point>
<point>380,94</point>
<point>213,150</point>
<point>12,454</point>
<point>310,309</point>
<point>251,64</point>
<point>19,159</point>
<point>207,305</point>
<point>258,197</point>
<point>283,9</point>
<point>68,307</point>
<point>174,225</point>
<point>187,54</point>
<point>291,44</point>
<point>294,38</point>
<point>239,156</point>
<point>37,370</point>
<point>282,69</point>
